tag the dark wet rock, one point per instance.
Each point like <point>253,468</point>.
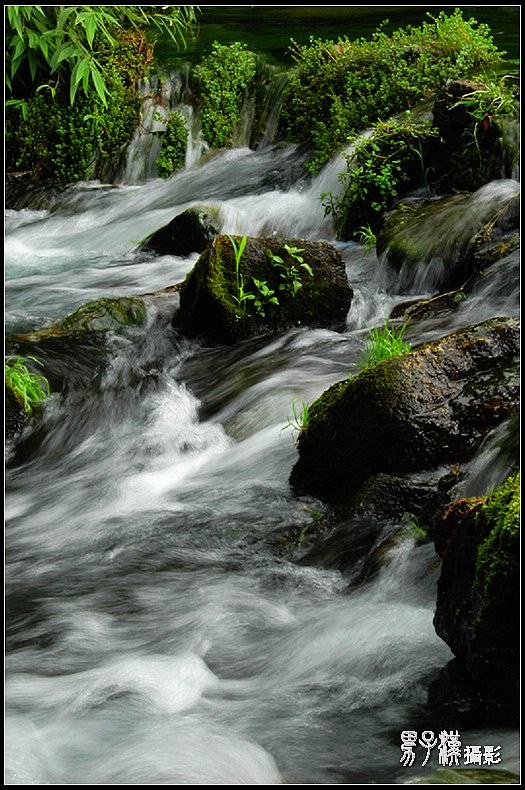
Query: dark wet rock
<point>430,407</point>
<point>210,299</point>
<point>189,232</point>
<point>449,117</point>
<point>15,416</point>
<point>478,602</point>
<point>478,150</point>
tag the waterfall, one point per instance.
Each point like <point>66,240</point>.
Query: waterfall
<point>161,96</point>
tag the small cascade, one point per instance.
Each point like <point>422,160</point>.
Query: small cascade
<point>163,96</point>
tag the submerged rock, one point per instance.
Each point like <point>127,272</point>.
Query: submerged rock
<point>191,231</point>
<point>277,284</point>
<point>416,412</point>
<point>478,598</point>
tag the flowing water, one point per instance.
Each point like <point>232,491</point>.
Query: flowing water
<point>160,628</point>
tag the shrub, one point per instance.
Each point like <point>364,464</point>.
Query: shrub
<point>222,78</point>
<point>338,89</point>
<point>392,161</point>
<point>173,151</point>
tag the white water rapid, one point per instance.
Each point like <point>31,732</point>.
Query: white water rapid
<point>159,629</point>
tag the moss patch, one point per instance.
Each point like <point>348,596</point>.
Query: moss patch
<point>497,555</point>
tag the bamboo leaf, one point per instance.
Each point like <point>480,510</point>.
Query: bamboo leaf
<point>91,29</point>
<point>100,85</point>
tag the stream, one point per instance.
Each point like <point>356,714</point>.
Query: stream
<point>160,629</point>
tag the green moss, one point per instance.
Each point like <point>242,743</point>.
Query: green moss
<point>497,554</point>
<point>99,315</point>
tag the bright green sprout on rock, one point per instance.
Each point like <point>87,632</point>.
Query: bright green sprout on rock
<point>27,387</point>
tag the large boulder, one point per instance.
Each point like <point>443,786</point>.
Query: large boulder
<point>478,599</point>
<point>277,284</point>
<point>416,412</point>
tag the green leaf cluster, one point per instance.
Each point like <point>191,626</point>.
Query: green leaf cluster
<point>69,44</point>
<point>27,387</point>
<point>172,155</point>
<point>384,343</point>
<point>61,144</point>
<point>222,78</point>
<point>340,88</point>
<point>381,167</point>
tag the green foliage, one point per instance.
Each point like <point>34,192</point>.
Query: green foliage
<point>241,295</point>
<point>62,144</point>
<point>413,526</point>
<point>173,151</point>
<point>383,166</point>
<point>339,89</point>
<point>497,98</point>
<point>498,555</point>
<point>27,387</point>
<point>383,343</point>
<point>289,272</point>
<point>222,78</point>
<point>69,44</point>
<point>264,297</point>
<point>71,75</point>
<point>366,237</point>
<point>299,420</point>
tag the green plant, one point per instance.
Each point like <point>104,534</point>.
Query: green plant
<point>299,420</point>
<point>367,237</point>
<point>413,527</point>
<point>222,78</point>
<point>382,166</point>
<point>489,104</point>
<point>383,343</point>
<point>291,280</point>
<point>68,44</point>
<point>338,89</point>
<point>172,155</point>
<point>265,296</point>
<point>241,296</point>
<point>27,387</point>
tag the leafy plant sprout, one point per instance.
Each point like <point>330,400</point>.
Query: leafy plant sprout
<point>299,420</point>
<point>384,343</point>
<point>367,237</point>
<point>290,273</point>
<point>242,296</point>
<point>28,387</point>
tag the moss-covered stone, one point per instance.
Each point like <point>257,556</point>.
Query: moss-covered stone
<point>412,413</point>
<point>219,302</point>
<point>99,315</point>
<point>478,601</point>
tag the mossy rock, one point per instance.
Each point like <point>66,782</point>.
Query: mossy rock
<point>443,240</point>
<point>478,600</point>
<point>416,412</point>
<point>209,297</point>
<point>189,232</point>
<point>99,315</point>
